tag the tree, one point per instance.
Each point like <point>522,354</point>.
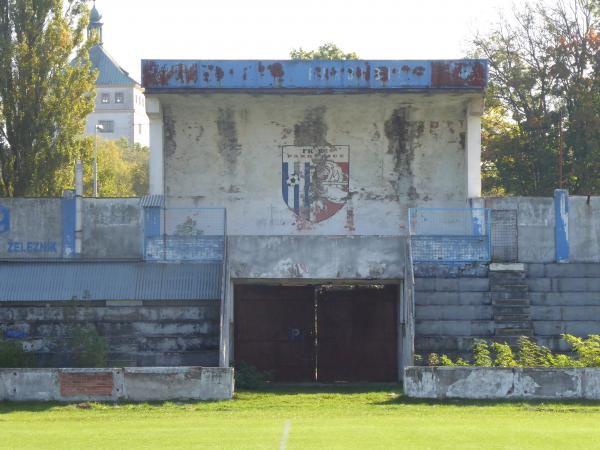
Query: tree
<point>46,92</point>
<point>543,97</point>
<point>122,169</point>
<point>326,51</point>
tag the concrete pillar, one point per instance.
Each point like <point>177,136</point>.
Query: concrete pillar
<point>561,228</point>
<point>473,147</point>
<point>154,112</point>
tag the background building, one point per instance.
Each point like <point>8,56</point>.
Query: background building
<point>120,101</point>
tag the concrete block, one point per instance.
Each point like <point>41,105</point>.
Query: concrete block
<point>590,383</point>
<point>447,284</point>
<point>452,298</point>
<point>178,383</point>
<point>565,270</point>
<point>535,270</point>
<point>578,284</point>
<point>454,327</point>
<point>454,312</point>
<point>545,383</point>
<point>473,284</point>
<point>539,284</point>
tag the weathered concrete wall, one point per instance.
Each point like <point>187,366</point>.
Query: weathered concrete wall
<point>535,226</point>
<point>501,383</point>
<point>112,228</point>
<point>584,229</point>
<point>404,150</point>
<point>130,383</point>
<point>178,334</point>
<point>452,309</point>
<point>31,228</point>
<point>316,257</point>
<point>565,298</point>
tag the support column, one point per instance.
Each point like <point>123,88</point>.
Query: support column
<point>561,228</point>
<point>473,147</point>
<point>154,112</point>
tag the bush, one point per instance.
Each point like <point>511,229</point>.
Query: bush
<point>12,355</point>
<point>249,377</point>
<point>530,354</point>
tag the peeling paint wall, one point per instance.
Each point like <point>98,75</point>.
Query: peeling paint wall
<point>390,152</point>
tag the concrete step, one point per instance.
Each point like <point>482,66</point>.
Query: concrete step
<point>513,288</point>
<point>515,332</point>
<point>512,318</point>
<point>511,309</point>
<point>507,277</point>
<point>524,324</point>
<point>522,302</point>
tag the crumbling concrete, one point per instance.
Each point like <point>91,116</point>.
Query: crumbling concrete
<point>502,383</point>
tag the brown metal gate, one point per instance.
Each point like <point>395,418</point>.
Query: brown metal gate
<point>274,330</point>
<point>351,335</point>
<point>357,334</point>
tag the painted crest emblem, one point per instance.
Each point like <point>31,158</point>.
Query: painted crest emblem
<point>315,180</point>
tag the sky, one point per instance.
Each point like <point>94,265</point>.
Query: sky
<point>269,29</point>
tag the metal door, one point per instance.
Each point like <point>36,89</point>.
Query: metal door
<point>357,334</point>
<point>274,330</point>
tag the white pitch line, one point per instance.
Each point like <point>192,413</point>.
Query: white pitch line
<point>286,433</point>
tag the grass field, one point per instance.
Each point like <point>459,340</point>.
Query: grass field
<point>304,418</point>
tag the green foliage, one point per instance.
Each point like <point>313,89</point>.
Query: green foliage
<point>503,355</point>
<point>88,347</point>
<point>13,355</point>
<point>46,92</point>
<point>481,353</point>
<point>530,354</point>
<point>327,51</point>
<point>544,79</point>
<point>122,169</point>
<point>249,377</point>
<point>587,350</point>
<point>433,359</point>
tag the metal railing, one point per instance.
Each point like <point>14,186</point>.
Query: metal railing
<point>454,235</point>
<point>185,234</point>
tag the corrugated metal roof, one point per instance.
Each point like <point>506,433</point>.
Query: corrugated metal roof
<point>109,71</point>
<point>52,281</point>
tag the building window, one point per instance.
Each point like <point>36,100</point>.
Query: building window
<point>119,97</point>
<point>108,126</point>
<point>105,98</point>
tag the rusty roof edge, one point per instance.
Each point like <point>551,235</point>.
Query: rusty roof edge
<point>311,75</point>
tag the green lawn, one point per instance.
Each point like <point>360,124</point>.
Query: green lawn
<point>332,417</point>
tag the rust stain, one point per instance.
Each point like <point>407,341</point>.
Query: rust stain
<point>419,71</point>
<point>394,71</point>
<point>367,72</point>
<point>384,74</point>
<point>155,75</point>
<point>358,72</point>
<point>231,72</point>
<point>457,75</point>
<point>276,70</point>
<point>219,73</point>
<point>318,72</point>
<point>205,77</point>
<point>405,68</point>
<point>261,69</point>
<point>333,72</point>
<point>245,74</point>
<point>210,67</point>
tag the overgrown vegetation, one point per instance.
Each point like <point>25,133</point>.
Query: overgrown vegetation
<point>583,353</point>
<point>88,347</point>
<point>12,354</point>
<point>327,51</point>
<point>249,377</point>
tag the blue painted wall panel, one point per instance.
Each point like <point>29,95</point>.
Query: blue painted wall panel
<point>561,211</point>
<point>321,75</point>
<point>69,225</point>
